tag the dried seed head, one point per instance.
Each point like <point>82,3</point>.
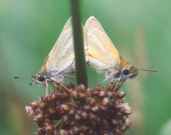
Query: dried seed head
<point>81,111</point>
<point>105,101</point>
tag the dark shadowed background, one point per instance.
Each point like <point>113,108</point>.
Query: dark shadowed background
<point>140,29</point>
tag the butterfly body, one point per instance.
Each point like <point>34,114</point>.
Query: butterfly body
<point>103,55</point>
<point>60,60</point>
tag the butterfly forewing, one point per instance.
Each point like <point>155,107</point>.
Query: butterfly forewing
<point>100,50</point>
<point>61,55</point>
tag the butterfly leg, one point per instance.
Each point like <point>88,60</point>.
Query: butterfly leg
<point>117,84</point>
<point>58,84</point>
<point>120,83</point>
<point>46,88</point>
<point>64,87</point>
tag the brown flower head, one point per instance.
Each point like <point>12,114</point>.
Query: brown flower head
<point>77,110</point>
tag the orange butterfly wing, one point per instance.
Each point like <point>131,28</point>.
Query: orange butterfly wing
<point>100,50</point>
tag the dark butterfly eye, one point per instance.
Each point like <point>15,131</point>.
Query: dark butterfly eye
<point>41,78</point>
<point>125,72</point>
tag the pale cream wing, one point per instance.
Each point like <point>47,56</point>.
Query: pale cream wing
<point>62,54</point>
<point>100,51</point>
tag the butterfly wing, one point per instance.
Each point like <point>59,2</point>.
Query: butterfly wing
<point>61,56</point>
<point>100,51</point>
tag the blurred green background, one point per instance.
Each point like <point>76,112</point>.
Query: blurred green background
<point>141,30</point>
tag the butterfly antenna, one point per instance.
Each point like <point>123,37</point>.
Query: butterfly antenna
<point>16,77</point>
<point>148,70</point>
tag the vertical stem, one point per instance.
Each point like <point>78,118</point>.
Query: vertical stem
<point>78,43</point>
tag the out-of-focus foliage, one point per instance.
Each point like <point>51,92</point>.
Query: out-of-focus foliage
<point>140,29</point>
<point>166,130</point>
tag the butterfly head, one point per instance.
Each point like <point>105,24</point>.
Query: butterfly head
<point>38,78</point>
<point>125,70</point>
<point>122,73</point>
<point>129,72</point>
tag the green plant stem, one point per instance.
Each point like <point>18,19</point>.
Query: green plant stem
<point>78,43</point>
